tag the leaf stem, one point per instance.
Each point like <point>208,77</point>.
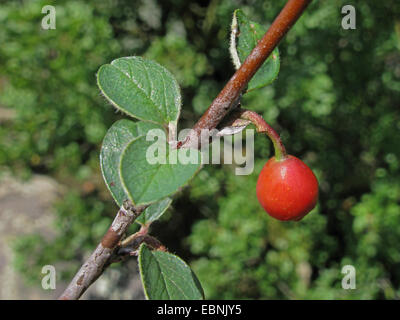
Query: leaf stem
<point>131,239</point>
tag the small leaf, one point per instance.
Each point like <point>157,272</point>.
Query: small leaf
<point>151,171</point>
<point>167,277</point>
<point>118,136</point>
<point>141,88</point>
<point>154,212</point>
<point>248,34</point>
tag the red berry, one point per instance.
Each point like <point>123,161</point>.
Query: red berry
<point>287,189</point>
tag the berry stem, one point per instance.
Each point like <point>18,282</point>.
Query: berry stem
<point>263,127</point>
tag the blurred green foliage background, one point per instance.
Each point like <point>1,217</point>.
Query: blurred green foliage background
<point>335,103</point>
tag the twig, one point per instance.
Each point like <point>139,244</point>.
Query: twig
<point>104,254</point>
<point>226,100</point>
<point>229,96</point>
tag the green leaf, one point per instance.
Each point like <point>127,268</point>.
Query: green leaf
<point>141,88</point>
<point>151,171</point>
<point>167,277</point>
<point>248,33</point>
<point>154,212</point>
<point>117,138</point>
